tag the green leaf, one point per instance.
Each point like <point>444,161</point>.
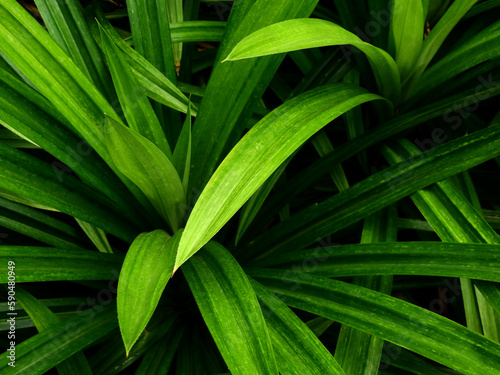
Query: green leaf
<point>44,319</point>
<point>36,180</point>
<point>13,197</point>
<point>480,48</point>
<point>149,168</point>
<point>149,23</point>
<point>396,321</point>
<point>435,39</point>
<point>111,358</point>
<point>24,110</point>
<point>407,33</point>
<point>358,352</point>
<point>158,359</point>
<point>235,89</point>
<point>150,26</point>
<point>182,152</point>
<point>376,192</point>
<point>482,7</point>
<point>231,311</point>
<point>158,87</point>
<point>475,261</point>
<point>41,352</point>
<point>65,22</point>
<point>323,146</point>
<point>57,77</point>
<point>261,151</point>
<point>148,266</point>
<point>254,204</point>
<point>294,35</point>
<point>54,73</point>
<point>97,236</point>
<point>197,31</point>
<point>34,228</point>
<point>52,264</point>
<point>379,134</point>
<point>175,15</point>
<point>297,349</point>
<point>135,104</point>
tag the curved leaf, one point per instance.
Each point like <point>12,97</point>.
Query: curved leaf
<point>148,266</point>
<point>377,191</point>
<point>261,151</point>
<point>294,35</point>
<point>149,168</point>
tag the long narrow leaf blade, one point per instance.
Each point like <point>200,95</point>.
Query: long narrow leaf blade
<point>259,154</point>
<point>231,311</point>
<point>377,191</point>
<point>45,350</point>
<point>407,33</point>
<point>294,35</point>
<point>44,319</point>
<point>51,264</point>
<point>149,168</point>
<point>298,350</point>
<point>135,104</point>
<point>396,321</point>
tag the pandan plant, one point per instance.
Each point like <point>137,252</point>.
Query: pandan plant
<point>250,187</point>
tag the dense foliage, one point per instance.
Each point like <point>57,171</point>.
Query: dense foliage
<point>250,187</point>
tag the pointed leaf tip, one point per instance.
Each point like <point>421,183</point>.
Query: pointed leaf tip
<point>145,273</point>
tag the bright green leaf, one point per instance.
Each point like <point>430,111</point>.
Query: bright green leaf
<point>263,149</point>
<point>294,35</point>
<point>148,266</point>
<point>231,311</point>
<point>147,167</point>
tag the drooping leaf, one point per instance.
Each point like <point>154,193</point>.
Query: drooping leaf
<point>148,266</point>
<point>293,35</point>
